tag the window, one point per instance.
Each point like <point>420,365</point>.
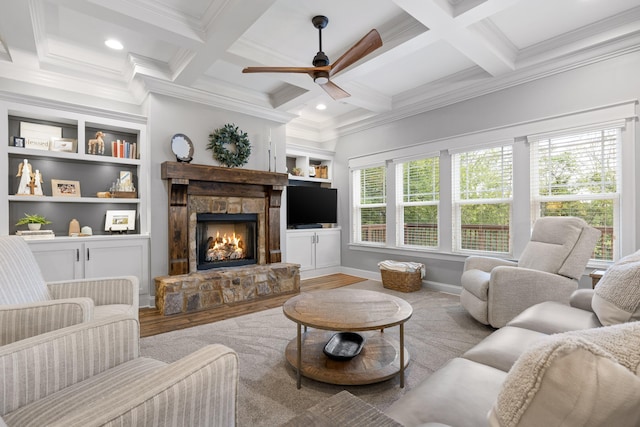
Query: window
<point>418,196</point>
<point>369,205</point>
<point>577,174</point>
<point>482,198</point>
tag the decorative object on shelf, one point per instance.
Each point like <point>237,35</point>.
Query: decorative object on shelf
<point>86,231</point>
<point>312,171</point>
<point>67,145</point>
<point>18,142</point>
<point>229,134</point>
<point>33,221</point>
<point>74,228</point>
<point>96,145</point>
<point>296,172</point>
<point>182,147</point>
<point>65,188</point>
<point>36,184</point>
<point>123,187</point>
<point>103,194</point>
<point>120,221</point>
<point>25,172</point>
<point>321,171</point>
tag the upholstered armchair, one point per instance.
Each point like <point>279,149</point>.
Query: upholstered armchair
<point>92,374</point>
<point>29,306</point>
<point>495,290</point>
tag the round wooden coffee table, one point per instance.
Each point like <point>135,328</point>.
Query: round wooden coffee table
<point>353,310</point>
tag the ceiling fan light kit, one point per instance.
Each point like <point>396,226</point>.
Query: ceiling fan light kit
<point>322,69</point>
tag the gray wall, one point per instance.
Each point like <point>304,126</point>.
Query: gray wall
<point>168,116</point>
<point>595,85</point>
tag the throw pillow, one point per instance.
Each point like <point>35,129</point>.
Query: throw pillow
<point>616,297</point>
<point>585,378</point>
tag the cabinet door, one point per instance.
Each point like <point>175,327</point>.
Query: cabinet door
<point>327,248</point>
<point>118,258</point>
<point>300,249</point>
<point>59,261</point>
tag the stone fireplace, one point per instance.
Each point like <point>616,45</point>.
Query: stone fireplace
<point>224,238</point>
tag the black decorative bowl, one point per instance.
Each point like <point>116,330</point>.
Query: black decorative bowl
<point>344,346</point>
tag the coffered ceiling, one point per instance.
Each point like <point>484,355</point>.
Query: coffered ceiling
<point>434,53</point>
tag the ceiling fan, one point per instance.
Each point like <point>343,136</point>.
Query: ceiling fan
<point>322,69</point>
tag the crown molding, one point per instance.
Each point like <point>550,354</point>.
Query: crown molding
<point>161,87</point>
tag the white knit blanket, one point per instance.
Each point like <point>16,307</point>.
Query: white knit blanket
<point>619,343</point>
<point>402,266</point>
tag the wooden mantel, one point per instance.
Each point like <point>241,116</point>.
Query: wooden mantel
<point>186,179</point>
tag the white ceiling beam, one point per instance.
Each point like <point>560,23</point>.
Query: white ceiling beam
<point>489,53</point>
<point>224,29</point>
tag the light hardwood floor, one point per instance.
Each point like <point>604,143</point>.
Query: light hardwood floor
<point>152,322</point>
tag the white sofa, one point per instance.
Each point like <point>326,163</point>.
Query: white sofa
<point>554,364</point>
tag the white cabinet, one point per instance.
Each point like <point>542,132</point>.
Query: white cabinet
<point>77,258</point>
<point>317,250</point>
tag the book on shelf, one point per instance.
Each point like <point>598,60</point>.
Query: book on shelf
<point>36,234</point>
<point>124,149</point>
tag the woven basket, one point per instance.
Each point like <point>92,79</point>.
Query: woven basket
<point>401,281</point>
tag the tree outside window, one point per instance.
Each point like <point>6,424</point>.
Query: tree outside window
<point>577,175</point>
<point>370,209</point>
<point>418,201</point>
<point>482,198</point>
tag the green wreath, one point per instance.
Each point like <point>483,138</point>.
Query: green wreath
<point>220,139</point>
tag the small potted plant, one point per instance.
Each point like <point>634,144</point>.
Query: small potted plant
<point>34,222</point>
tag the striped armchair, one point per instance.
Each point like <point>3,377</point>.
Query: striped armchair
<point>29,306</point>
<point>91,374</point>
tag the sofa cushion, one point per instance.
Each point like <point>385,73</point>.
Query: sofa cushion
<point>469,387</point>
<point>585,378</point>
<point>552,317</point>
<point>616,297</point>
<point>503,347</point>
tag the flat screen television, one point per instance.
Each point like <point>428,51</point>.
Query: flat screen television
<point>311,205</point>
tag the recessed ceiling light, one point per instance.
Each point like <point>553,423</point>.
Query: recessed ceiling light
<point>321,107</point>
<point>114,44</point>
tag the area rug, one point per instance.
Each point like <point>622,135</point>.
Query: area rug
<point>439,330</point>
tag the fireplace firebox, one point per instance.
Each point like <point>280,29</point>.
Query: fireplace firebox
<point>226,240</point>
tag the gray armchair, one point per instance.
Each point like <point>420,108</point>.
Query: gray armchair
<point>495,290</point>
<point>29,306</point>
<point>92,374</point>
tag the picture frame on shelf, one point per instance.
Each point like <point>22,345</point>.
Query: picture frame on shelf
<point>65,188</point>
<point>124,220</point>
<point>18,141</point>
<point>37,136</point>
<point>67,145</point>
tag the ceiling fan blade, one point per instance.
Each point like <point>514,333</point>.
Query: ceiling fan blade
<point>334,90</point>
<point>303,70</point>
<point>362,48</point>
